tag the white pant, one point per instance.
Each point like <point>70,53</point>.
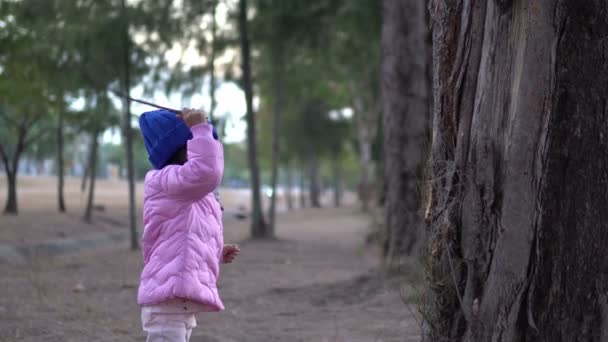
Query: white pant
<point>169,322</point>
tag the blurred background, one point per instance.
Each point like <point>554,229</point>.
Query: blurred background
<point>293,88</point>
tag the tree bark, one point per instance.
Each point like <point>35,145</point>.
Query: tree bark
<point>128,132</point>
<point>258,225</point>
<point>405,121</point>
<point>60,164</point>
<point>11,168</point>
<point>88,213</point>
<point>517,250</point>
<point>11,195</point>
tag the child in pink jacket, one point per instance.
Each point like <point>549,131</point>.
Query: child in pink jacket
<point>183,242</point>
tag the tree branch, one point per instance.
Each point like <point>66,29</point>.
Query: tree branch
<point>4,157</point>
<point>34,138</point>
<point>8,119</point>
<point>22,132</point>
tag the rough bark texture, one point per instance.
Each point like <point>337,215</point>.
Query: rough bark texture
<point>88,212</point>
<point>60,165</point>
<point>518,225</point>
<point>405,121</point>
<point>258,225</point>
<point>128,132</point>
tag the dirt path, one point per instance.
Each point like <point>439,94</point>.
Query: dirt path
<point>316,283</point>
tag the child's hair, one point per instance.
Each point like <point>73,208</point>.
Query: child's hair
<point>180,157</point>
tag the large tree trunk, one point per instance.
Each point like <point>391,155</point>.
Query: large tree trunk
<point>60,164</point>
<point>405,121</point>
<point>277,75</point>
<point>88,212</point>
<point>258,225</point>
<point>128,132</point>
<point>518,222</point>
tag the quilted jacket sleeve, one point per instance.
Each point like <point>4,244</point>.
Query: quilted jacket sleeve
<point>203,171</point>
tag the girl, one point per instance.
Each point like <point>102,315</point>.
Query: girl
<point>183,242</point>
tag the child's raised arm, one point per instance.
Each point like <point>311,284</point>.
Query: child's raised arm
<point>203,171</point>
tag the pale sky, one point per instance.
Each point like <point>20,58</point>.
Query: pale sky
<point>229,97</point>
<point>230,105</point>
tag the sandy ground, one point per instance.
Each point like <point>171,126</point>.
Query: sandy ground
<point>37,201</point>
<point>318,282</point>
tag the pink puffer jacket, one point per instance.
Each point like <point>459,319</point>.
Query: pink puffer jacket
<point>183,234</point>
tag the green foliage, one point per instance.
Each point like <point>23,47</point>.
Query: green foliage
<point>324,53</point>
<point>326,48</point>
<point>235,164</point>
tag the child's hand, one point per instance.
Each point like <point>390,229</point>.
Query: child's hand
<point>193,117</point>
<point>229,253</point>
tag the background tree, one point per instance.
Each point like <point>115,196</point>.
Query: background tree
<point>405,121</point>
<point>98,114</point>
<point>25,98</point>
<point>258,223</point>
<point>354,57</point>
<point>518,224</point>
<point>127,130</point>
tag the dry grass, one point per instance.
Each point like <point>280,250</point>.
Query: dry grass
<point>318,281</point>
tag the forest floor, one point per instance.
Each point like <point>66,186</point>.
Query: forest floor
<point>319,281</point>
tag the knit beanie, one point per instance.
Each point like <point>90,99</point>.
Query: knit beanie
<point>164,134</point>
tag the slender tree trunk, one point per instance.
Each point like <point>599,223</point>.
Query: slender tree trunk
<point>337,176</point>
<point>11,195</point>
<point>518,224</point>
<point>367,112</point>
<point>212,61</point>
<point>277,71</point>
<point>366,163</point>
<point>12,168</point>
<point>128,132</point>
<point>302,187</point>
<point>88,213</point>
<point>258,225</point>
<point>405,121</point>
<point>60,164</point>
<point>85,178</point>
<point>314,168</point>
<point>289,188</point>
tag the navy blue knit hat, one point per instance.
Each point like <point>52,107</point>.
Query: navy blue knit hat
<point>164,134</point>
